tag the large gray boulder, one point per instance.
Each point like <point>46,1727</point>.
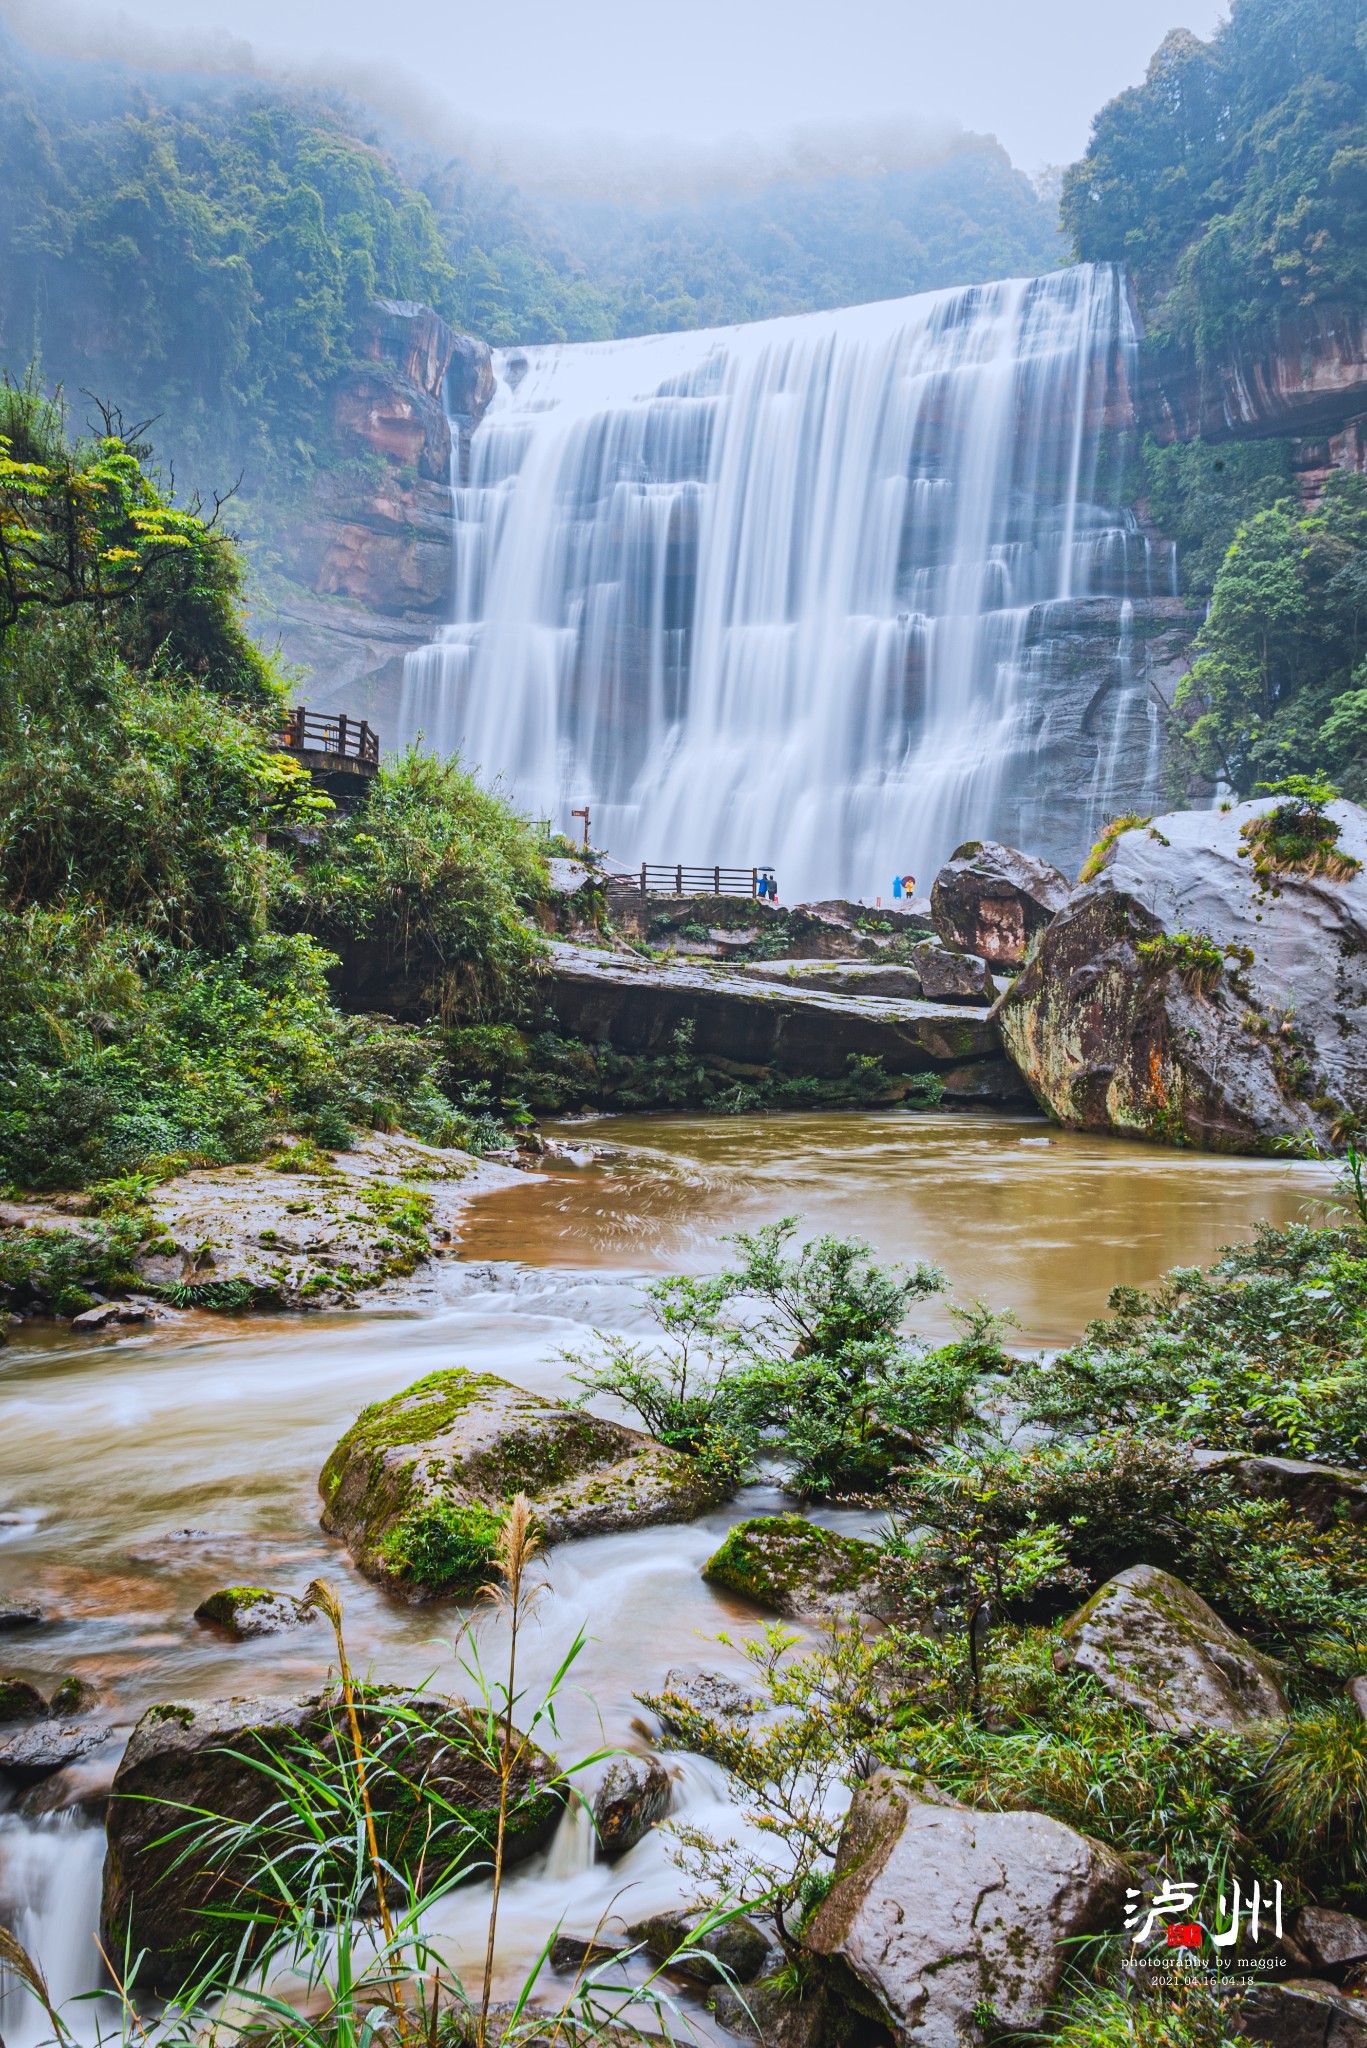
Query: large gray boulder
<point>990,899</point>
<point>416,1483</point>
<point>948,974</point>
<point>1158,1647</point>
<point>193,1757</point>
<point>1183,996</point>
<point>941,1911</point>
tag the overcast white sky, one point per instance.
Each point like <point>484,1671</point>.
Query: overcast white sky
<point>1032,72</point>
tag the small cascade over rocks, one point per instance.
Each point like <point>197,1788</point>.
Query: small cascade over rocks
<point>832,591</point>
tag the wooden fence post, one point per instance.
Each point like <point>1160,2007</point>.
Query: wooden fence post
<point>643,880</point>
<point>678,881</point>
<point>341,732</point>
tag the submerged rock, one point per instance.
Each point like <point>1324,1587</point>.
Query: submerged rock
<point>254,1611</point>
<point>633,1797</point>
<point>1190,993</point>
<point>941,1912</point>
<point>416,1484</point>
<point>1158,1647</point>
<point>194,1756</point>
<point>796,1568</point>
<point>20,1614</point>
<point>990,899</point>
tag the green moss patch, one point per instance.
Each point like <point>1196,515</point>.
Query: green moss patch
<point>791,1565</point>
<point>443,1546</point>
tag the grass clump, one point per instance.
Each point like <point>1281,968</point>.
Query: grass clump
<point>1096,860</point>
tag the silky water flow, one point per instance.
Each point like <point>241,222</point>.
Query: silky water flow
<point>793,592</point>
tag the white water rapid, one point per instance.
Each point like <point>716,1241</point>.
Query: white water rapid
<point>786,592</point>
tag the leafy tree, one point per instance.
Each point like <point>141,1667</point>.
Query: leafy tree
<point>1233,181</point>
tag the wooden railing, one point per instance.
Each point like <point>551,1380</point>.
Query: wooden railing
<point>658,878</point>
<point>307,732</point>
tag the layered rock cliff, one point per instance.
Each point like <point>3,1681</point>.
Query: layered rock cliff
<point>367,560</point>
<point>1305,380</point>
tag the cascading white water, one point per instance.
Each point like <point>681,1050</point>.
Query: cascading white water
<point>765,593</point>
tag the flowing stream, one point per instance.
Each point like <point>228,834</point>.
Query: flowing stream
<point>791,592</point>
<point>142,1470</point>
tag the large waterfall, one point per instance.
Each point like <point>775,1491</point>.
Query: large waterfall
<point>793,592</point>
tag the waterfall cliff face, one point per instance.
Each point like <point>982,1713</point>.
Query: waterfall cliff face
<point>833,592</point>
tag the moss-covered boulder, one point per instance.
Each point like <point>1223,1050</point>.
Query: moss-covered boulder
<point>418,1483</point>
<point>254,1611</point>
<point>1160,1649</point>
<point>433,1794</point>
<point>797,1569</point>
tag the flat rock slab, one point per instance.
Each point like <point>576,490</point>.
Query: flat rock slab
<point>38,1748</point>
<point>841,977</point>
<point>638,1006</point>
<point>796,1568</point>
<point>458,1441</point>
<point>1160,1648</point>
<point>1267,1044</point>
<point>940,1910</point>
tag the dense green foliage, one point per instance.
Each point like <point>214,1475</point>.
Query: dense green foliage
<point>1279,682</point>
<point>995,1533</point>
<point>1200,495</point>
<point>1233,181</point>
<point>168,878</point>
<point>202,262</point>
<point>818,1361</point>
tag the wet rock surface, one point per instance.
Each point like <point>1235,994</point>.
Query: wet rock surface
<point>1331,1940</point>
<point>738,1945</point>
<point>193,1754</point>
<point>36,1749</point>
<point>1180,996</point>
<point>245,1611</point>
<point>991,900</point>
<point>708,1692</point>
<point>635,1794</point>
<point>1158,1647</point>
<point>1303,2012</point>
<point>940,1911</point>
<point>402,1478</point>
<point>796,1568</point>
<point>301,1229</point>
<point>949,975</point>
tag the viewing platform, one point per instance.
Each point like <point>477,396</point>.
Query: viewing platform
<point>339,752</point>
<point>663,878</point>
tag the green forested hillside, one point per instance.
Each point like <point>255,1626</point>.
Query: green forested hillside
<point>1233,181</point>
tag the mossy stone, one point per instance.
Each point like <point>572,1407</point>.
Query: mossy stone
<point>796,1568</point>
